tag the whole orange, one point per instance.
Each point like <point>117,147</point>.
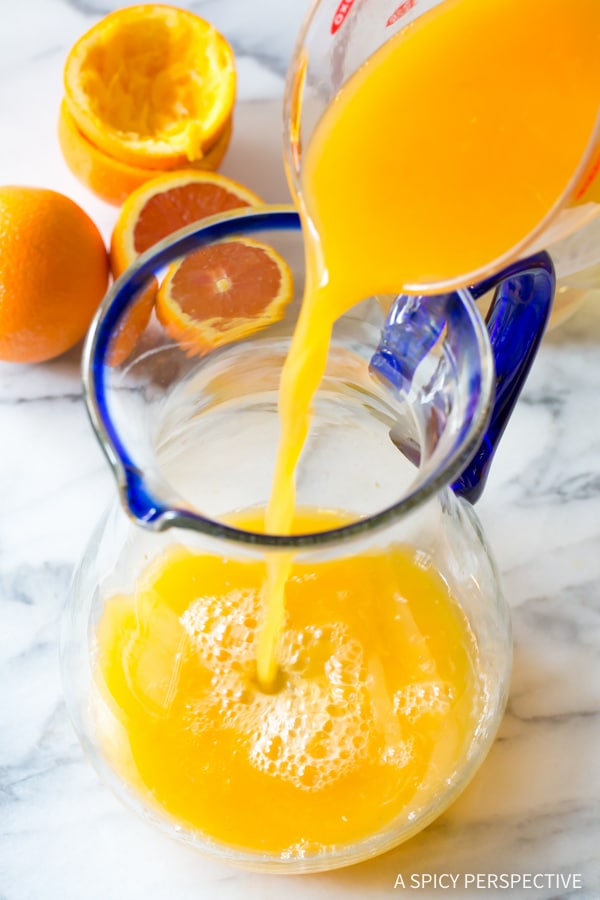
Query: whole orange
<point>53,273</point>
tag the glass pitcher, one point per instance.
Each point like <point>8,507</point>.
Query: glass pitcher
<point>395,653</point>
<point>438,132</point>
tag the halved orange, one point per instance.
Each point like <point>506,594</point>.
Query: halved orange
<point>161,206</point>
<point>151,85</point>
<point>109,178</point>
<point>222,293</point>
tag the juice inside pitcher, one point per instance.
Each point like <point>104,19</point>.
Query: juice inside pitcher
<point>316,711</point>
<point>378,694</point>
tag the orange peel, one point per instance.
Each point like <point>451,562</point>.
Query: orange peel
<point>108,178</point>
<point>53,273</point>
<point>151,85</point>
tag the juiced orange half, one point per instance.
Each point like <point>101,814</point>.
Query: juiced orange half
<point>151,85</point>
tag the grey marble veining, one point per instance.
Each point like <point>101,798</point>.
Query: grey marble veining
<point>535,804</point>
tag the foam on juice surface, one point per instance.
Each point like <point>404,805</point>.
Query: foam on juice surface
<point>311,731</point>
<point>377,666</point>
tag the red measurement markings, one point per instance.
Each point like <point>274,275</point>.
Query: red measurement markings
<point>401,11</point>
<point>340,15</point>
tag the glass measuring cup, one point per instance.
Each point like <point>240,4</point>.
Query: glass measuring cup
<point>434,140</point>
<point>406,408</point>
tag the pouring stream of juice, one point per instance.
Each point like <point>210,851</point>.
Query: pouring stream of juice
<point>383,697</point>
<point>442,153</point>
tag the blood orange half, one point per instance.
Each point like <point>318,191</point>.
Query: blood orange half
<point>223,293</point>
<point>161,206</point>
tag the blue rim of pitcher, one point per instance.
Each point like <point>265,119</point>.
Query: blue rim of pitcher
<point>137,498</point>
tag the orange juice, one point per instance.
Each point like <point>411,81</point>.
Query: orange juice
<point>291,708</point>
<point>451,143</point>
<point>376,703</point>
<point>437,157</point>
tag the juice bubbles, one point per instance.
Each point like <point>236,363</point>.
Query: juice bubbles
<point>377,699</point>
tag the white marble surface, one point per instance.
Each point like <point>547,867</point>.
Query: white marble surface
<point>535,805</point>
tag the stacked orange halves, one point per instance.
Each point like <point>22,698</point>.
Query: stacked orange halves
<point>148,89</point>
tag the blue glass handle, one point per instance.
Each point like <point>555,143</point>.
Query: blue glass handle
<point>516,323</point>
